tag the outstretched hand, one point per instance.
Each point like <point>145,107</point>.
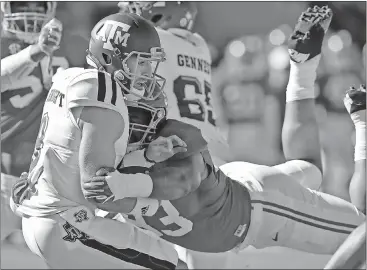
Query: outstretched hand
<point>96,189</point>
<point>163,148</point>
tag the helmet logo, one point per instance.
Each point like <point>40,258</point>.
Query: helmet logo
<point>112,30</point>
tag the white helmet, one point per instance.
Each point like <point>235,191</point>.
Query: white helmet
<point>26,25</point>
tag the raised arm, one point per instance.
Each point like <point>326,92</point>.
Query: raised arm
<point>16,66</point>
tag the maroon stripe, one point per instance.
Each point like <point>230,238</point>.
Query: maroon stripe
<point>305,215</point>
<point>305,221</point>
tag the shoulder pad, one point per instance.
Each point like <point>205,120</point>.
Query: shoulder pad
<point>90,87</point>
<point>188,133</point>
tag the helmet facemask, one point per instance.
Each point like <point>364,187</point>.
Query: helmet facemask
<point>136,86</point>
<point>141,86</point>
<point>25,25</point>
<point>144,122</point>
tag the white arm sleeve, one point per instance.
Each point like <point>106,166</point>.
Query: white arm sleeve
<point>16,66</point>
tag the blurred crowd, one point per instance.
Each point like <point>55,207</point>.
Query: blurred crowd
<point>250,82</point>
<point>250,75</point>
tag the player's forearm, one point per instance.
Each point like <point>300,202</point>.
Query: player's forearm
<point>16,66</point>
<point>168,180</point>
<point>161,182</point>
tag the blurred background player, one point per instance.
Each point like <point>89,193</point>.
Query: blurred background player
<point>30,36</point>
<point>352,253</point>
<point>188,85</point>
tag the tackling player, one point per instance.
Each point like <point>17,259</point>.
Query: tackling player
<point>85,127</point>
<point>226,209</point>
<point>30,36</point>
<point>188,83</point>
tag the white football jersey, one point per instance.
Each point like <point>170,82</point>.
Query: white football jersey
<point>187,71</point>
<point>55,164</point>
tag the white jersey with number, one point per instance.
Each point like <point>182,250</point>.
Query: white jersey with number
<point>55,164</point>
<point>188,86</point>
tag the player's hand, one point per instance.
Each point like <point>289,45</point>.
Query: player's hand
<point>306,40</point>
<point>96,189</point>
<point>163,148</point>
<point>50,36</point>
<point>355,99</point>
<point>20,189</point>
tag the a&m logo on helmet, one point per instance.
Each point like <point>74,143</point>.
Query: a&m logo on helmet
<point>112,30</point>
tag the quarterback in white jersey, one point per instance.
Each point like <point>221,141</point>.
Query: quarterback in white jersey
<point>85,127</point>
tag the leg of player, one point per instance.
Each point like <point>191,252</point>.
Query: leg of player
<point>102,244</point>
<point>300,135</point>
<point>285,213</point>
<point>352,253</point>
<point>355,103</point>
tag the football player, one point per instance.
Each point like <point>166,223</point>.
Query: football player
<point>30,36</point>
<point>85,127</point>
<point>223,209</point>
<point>352,253</point>
<point>188,83</point>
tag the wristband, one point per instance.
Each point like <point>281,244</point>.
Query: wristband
<point>129,185</point>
